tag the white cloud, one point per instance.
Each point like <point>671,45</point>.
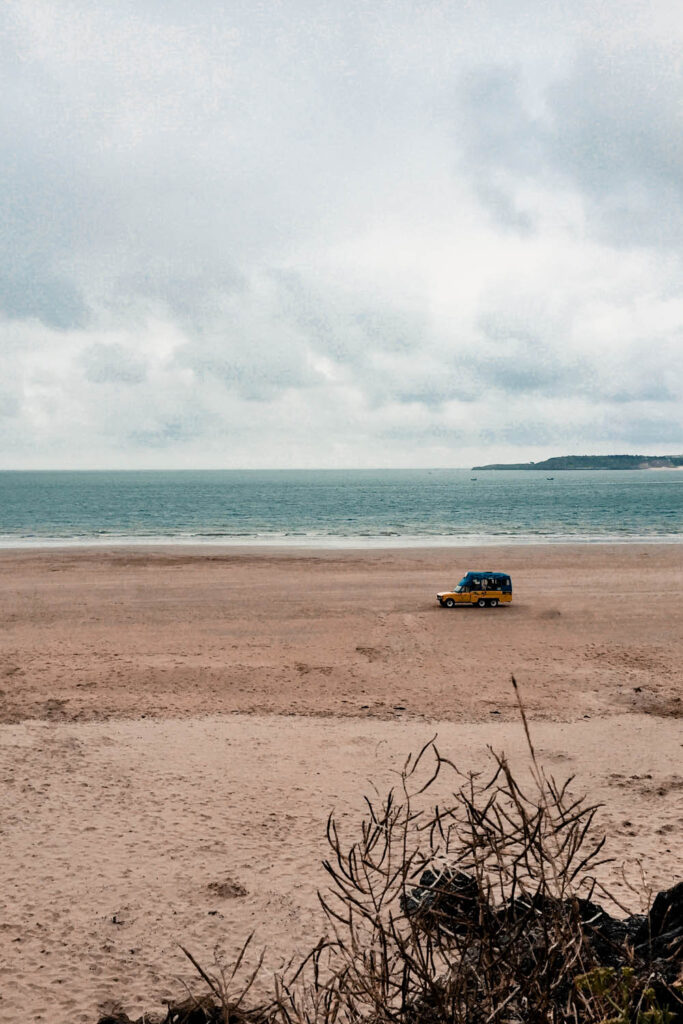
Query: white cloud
<point>316,234</point>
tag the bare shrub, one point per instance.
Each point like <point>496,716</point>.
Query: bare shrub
<point>452,913</point>
<point>474,910</point>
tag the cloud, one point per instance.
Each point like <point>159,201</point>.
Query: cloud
<point>112,364</point>
<point>606,134</point>
<point>618,138</point>
<point>320,234</point>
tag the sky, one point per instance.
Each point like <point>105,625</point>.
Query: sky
<point>313,233</point>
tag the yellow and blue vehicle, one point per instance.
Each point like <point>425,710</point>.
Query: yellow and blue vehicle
<point>484,589</point>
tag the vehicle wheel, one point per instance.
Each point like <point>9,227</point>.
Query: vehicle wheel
<point>481,603</point>
<point>493,603</point>
<point>449,602</point>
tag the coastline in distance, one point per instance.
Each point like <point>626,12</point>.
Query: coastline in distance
<point>596,462</point>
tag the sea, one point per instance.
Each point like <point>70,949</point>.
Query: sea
<point>340,508</point>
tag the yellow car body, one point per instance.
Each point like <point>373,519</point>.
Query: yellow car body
<point>484,589</point>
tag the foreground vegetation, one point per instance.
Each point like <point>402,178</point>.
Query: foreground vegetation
<point>482,910</point>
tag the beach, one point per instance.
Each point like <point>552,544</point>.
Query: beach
<point>178,723</point>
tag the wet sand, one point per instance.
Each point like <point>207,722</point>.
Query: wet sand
<point>177,725</point>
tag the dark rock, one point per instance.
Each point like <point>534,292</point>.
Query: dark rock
<point>606,935</point>
<point>196,1010</point>
<point>666,913</point>
<point>451,900</point>
<point>447,897</point>
<point>660,935</point>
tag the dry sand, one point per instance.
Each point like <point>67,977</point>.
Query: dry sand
<point>177,726</point>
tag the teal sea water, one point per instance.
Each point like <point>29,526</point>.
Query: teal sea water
<point>339,507</point>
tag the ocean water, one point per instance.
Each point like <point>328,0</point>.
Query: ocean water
<point>339,507</point>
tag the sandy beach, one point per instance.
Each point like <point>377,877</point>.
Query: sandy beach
<point>177,724</point>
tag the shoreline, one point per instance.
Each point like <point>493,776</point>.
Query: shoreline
<point>380,543</point>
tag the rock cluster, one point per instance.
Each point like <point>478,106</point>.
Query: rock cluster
<point>451,901</point>
<point>645,948</point>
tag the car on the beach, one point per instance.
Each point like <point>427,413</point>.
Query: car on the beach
<point>484,589</point>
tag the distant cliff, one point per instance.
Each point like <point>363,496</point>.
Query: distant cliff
<point>595,462</point>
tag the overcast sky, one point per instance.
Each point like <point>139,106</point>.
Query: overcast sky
<point>279,233</point>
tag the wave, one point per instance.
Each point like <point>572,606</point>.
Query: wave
<point>384,539</point>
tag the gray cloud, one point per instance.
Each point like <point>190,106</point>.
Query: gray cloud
<point>171,431</point>
<point>500,142</point>
<point>112,364</point>
<point>362,229</point>
<point>610,128</point>
<point>9,404</point>
<point>619,136</point>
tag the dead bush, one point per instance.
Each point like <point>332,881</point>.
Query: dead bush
<point>478,909</point>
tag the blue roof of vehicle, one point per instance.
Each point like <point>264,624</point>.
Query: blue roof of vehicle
<point>485,572</point>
